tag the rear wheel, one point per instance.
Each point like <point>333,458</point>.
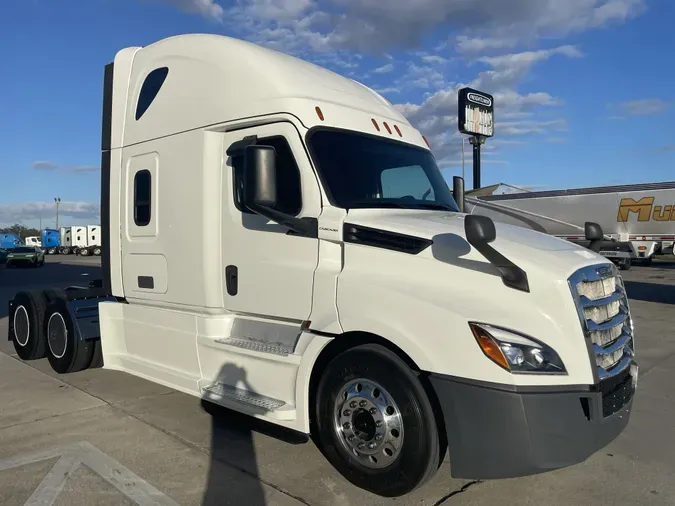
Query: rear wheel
<point>25,320</point>
<point>84,252</point>
<point>66,351</point>
<point>375,423</point>
<point>97,252</point>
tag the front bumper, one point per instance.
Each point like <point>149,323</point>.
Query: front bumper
<point>22,261</point>
<point>499,431</point>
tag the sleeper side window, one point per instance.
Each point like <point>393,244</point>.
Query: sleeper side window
<point>289,191</point>
<point>151,86</point>
<point>142,197</point>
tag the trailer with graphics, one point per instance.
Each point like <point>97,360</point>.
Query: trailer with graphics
<point>336,290</point>
<point>638,219</point>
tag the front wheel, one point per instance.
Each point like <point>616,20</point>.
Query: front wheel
<point>375,422</point>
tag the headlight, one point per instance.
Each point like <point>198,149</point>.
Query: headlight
<point>516,353</point>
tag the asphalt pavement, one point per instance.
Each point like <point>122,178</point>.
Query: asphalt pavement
<point>107,438</point>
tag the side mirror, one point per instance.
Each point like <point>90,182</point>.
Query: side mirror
<point>479,229</point>
<point>260,177</point>
<point>593,231</point>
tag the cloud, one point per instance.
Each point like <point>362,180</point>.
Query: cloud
<point>493,46</point>
<point>373,26</point>
<point>644,107</point>
<point>670,147</point>
<point>40,165</point>
<point>209,9</point>
<point>76,169</point>
<point>69,211</point>
<point>384,69</point>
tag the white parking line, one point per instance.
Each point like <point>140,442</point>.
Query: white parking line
<point>84,453</point>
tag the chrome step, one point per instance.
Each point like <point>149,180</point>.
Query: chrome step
<point>218,391</point>
<point>259,346</point>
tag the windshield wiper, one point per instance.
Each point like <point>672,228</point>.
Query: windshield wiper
<point>432,205</point>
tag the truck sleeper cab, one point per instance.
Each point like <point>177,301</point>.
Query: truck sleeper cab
<point>279,240</point>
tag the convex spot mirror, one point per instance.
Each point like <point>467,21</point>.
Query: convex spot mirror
<point>479,229</point>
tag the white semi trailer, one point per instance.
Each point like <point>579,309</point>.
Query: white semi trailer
<point>93,246</point>
<point>336,290</point>
<point>638,219</point>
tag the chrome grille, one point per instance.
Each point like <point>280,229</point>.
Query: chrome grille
<point>604,313</point>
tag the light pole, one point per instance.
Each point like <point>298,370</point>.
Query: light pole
<point>58,202</point>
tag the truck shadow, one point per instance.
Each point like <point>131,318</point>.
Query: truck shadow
<point>234,474</point>
<point>650,292</point>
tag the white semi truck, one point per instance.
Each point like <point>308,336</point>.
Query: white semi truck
<point>336,290</point>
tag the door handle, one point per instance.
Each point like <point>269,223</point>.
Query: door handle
<point>232,279</point>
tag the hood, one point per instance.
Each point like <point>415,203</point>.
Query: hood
<point>524,247</point>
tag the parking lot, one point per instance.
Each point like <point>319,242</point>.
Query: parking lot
<point>106,438</point>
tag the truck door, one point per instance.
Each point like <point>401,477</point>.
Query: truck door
<point>269,272</point>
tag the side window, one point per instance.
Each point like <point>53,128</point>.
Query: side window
<point>289,191</point>
<point>404,181</point>
<point>142,197</point>
<point>151,86</point>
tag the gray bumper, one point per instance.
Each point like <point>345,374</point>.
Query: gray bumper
<point>497,431</point>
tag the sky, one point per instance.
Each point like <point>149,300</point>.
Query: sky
<point>583,88</point>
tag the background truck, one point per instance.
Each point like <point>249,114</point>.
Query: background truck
<point>337,290</point>
<point>9,241</point>
<point>638,219</point>
<point>33,241</point>
<point>66,240</point>
<point>93,246</point>
<point>51,241</point>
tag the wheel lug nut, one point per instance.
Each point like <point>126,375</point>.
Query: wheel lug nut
<point>362,446</point>
<point>351,438</point>
<point>347,425</point>
<point>362,403</point>
<point>353,404</point>
<point>371,445</point>
<point>373,411</point>
<point>347,412</point>
<point>378,437</point>
<point>378,423</point>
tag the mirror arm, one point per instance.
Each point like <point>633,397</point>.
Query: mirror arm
<point>302,226</point>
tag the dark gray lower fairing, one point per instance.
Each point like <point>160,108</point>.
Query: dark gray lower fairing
<point>499,431</point>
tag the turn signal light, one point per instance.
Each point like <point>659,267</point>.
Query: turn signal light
<point>489,347</point>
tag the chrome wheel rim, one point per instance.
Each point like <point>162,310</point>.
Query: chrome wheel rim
<point>21,326</point>
<point>368,423</point>
<point>57,335</point>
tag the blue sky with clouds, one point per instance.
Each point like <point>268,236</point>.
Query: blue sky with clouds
<point>583,88</point>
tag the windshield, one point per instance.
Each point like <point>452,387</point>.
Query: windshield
<point>23,250</point>
<point>362,171</point>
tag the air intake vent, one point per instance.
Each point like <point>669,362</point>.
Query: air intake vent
<point>366,236</point>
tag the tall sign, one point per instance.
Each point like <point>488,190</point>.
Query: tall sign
<point>475,117</point>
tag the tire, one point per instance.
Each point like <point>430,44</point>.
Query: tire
<point>97,252</point>
<point>409,451</point>
<point>26,329</point>
<point>66,351</point>
<point>84,252</point>
<point>626,264</point>
<point>51,251</point>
